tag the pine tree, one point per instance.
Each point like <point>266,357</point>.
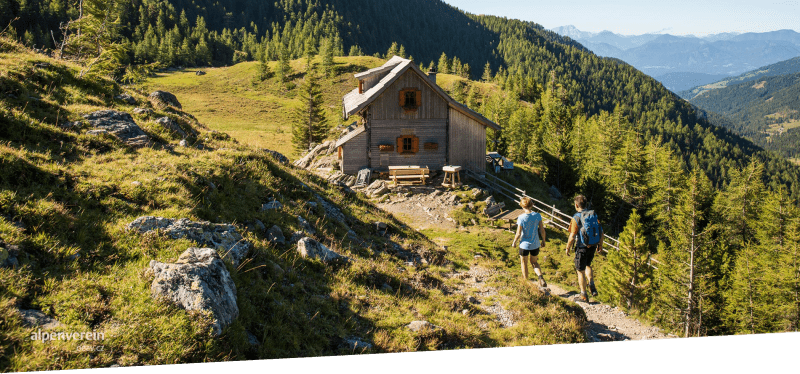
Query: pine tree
<point>326,50</point>
<point>284,71</point>
<point>264,71</point>
<point>627,274</point>
<point>444,64</point>
<point>309,124</point>
<point>685,269</point>
<point>393,50</point>
<point>487,72</point>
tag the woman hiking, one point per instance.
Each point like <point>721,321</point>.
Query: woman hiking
<point>531,236</point>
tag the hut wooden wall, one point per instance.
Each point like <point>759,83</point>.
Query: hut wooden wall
<point>428,131</point>
<point>467,142</point>
<point>354,154</point>
<point>387,106</point>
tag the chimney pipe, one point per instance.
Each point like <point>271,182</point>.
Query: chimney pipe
<point>432,75</point>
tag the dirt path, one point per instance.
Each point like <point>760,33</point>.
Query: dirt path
<point>606,323</point>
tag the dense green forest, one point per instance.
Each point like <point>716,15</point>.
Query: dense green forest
<point>765,110</point>
<point>790,66</point>
<point>716,210</point>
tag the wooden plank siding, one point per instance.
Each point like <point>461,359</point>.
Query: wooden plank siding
<point>428,131</point>
<point>467,142</point>
<point>386,105</point>
<point>354,154</point>
<point>370,82</point>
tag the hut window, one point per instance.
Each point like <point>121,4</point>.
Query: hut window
<point>407,144</point>
<point>410,99</point>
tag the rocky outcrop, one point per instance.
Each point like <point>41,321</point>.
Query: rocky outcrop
<point>278,156</point>
<point>197,281</point>
<point>222,237</point>
<point>119,124</point>
<point>310,248</point>
<point>309,157</point>
<point>171,125</point>
<point>163,99</point>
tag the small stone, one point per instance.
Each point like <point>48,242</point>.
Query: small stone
<point>472,300</point>
<point>418,326</point>
<point>128,99</point>
<point>136,183</point>
<point>477,257</point>
<point>199,72</point>
<point>274,204</point>
<point>355,343</point>
<point>305,225</point>
<point>35,318</point>
<point>275,235</point>
<point>164,99</point>
<point>143,111</point>
<point>251,339</point>
<point>183,143</point>
<point>312,204</point>
<point>386,287</point>
<point>310,248</point>
<point>259,225</point>
<point>465,312</point>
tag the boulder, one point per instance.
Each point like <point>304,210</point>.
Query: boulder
<point>275,235</point>
<point>33,318</point>
<point>198,281</point>
<point>199,72</point>
<point>171,125</point>
<point>119,124</point>
<point>223,237</point>
<point>310,248</point>
<point>163,99</point>
<point>309,157</point>
<point>125,98</point>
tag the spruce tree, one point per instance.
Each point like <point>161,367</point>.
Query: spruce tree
<point>444,64</point>
<point>627,274</point>
<point>284,71</point>
<point>487,72</point>
<point>685,268</point>
<point>309,124</point>
<point>326,50</point>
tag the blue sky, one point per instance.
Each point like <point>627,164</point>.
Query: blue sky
<point>630,17</point>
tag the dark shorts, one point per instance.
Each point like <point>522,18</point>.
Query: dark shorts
<point>584,257</point>
<point>528,252</point>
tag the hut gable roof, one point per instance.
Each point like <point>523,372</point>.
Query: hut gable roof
<point>349,135</point>
<point>353,102</point>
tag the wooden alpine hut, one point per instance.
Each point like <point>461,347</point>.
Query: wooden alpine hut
<point>407,119</point>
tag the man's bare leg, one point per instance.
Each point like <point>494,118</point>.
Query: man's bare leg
<point>524,263</point>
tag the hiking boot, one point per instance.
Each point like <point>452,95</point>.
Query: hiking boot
<point>584,297</point>
<point>542,283</point>
<point>591,288</point>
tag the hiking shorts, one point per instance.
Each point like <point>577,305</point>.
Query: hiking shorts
<point>528,252</point>
<point>584,257</point>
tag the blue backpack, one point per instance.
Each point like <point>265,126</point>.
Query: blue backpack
<point>590,228</point>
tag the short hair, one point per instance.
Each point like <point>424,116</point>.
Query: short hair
<point>580,201</point>
<point>526,203</point>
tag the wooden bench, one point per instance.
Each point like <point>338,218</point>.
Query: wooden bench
<point>408,174</point>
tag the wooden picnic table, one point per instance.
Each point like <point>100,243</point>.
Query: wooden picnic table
<point>408,174</point>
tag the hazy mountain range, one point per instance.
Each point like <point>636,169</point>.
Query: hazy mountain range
<point>683,62</point>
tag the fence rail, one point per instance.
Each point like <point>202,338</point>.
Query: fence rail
<point>556,217</point>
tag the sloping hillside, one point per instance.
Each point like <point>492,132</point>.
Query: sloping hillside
<point>786,67</point>
<point>73,262</point>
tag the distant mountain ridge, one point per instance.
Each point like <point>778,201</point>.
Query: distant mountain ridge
<point>723,54</point>
<point>790,66</point>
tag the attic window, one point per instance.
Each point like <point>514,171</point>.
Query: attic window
<point>410,99</point>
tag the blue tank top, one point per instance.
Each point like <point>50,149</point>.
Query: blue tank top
<point>529,222</point>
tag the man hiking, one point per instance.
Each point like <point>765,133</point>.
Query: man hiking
<point>586,227</point>
<point>531,236</point>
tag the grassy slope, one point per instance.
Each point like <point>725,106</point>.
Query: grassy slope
<point>254,112</point>
<point>64,193</point>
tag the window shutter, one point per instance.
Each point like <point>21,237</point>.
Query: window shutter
<point>399,144</point>
<point>414,144</point>
<point>402,97</point>
<point>418,96</point>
